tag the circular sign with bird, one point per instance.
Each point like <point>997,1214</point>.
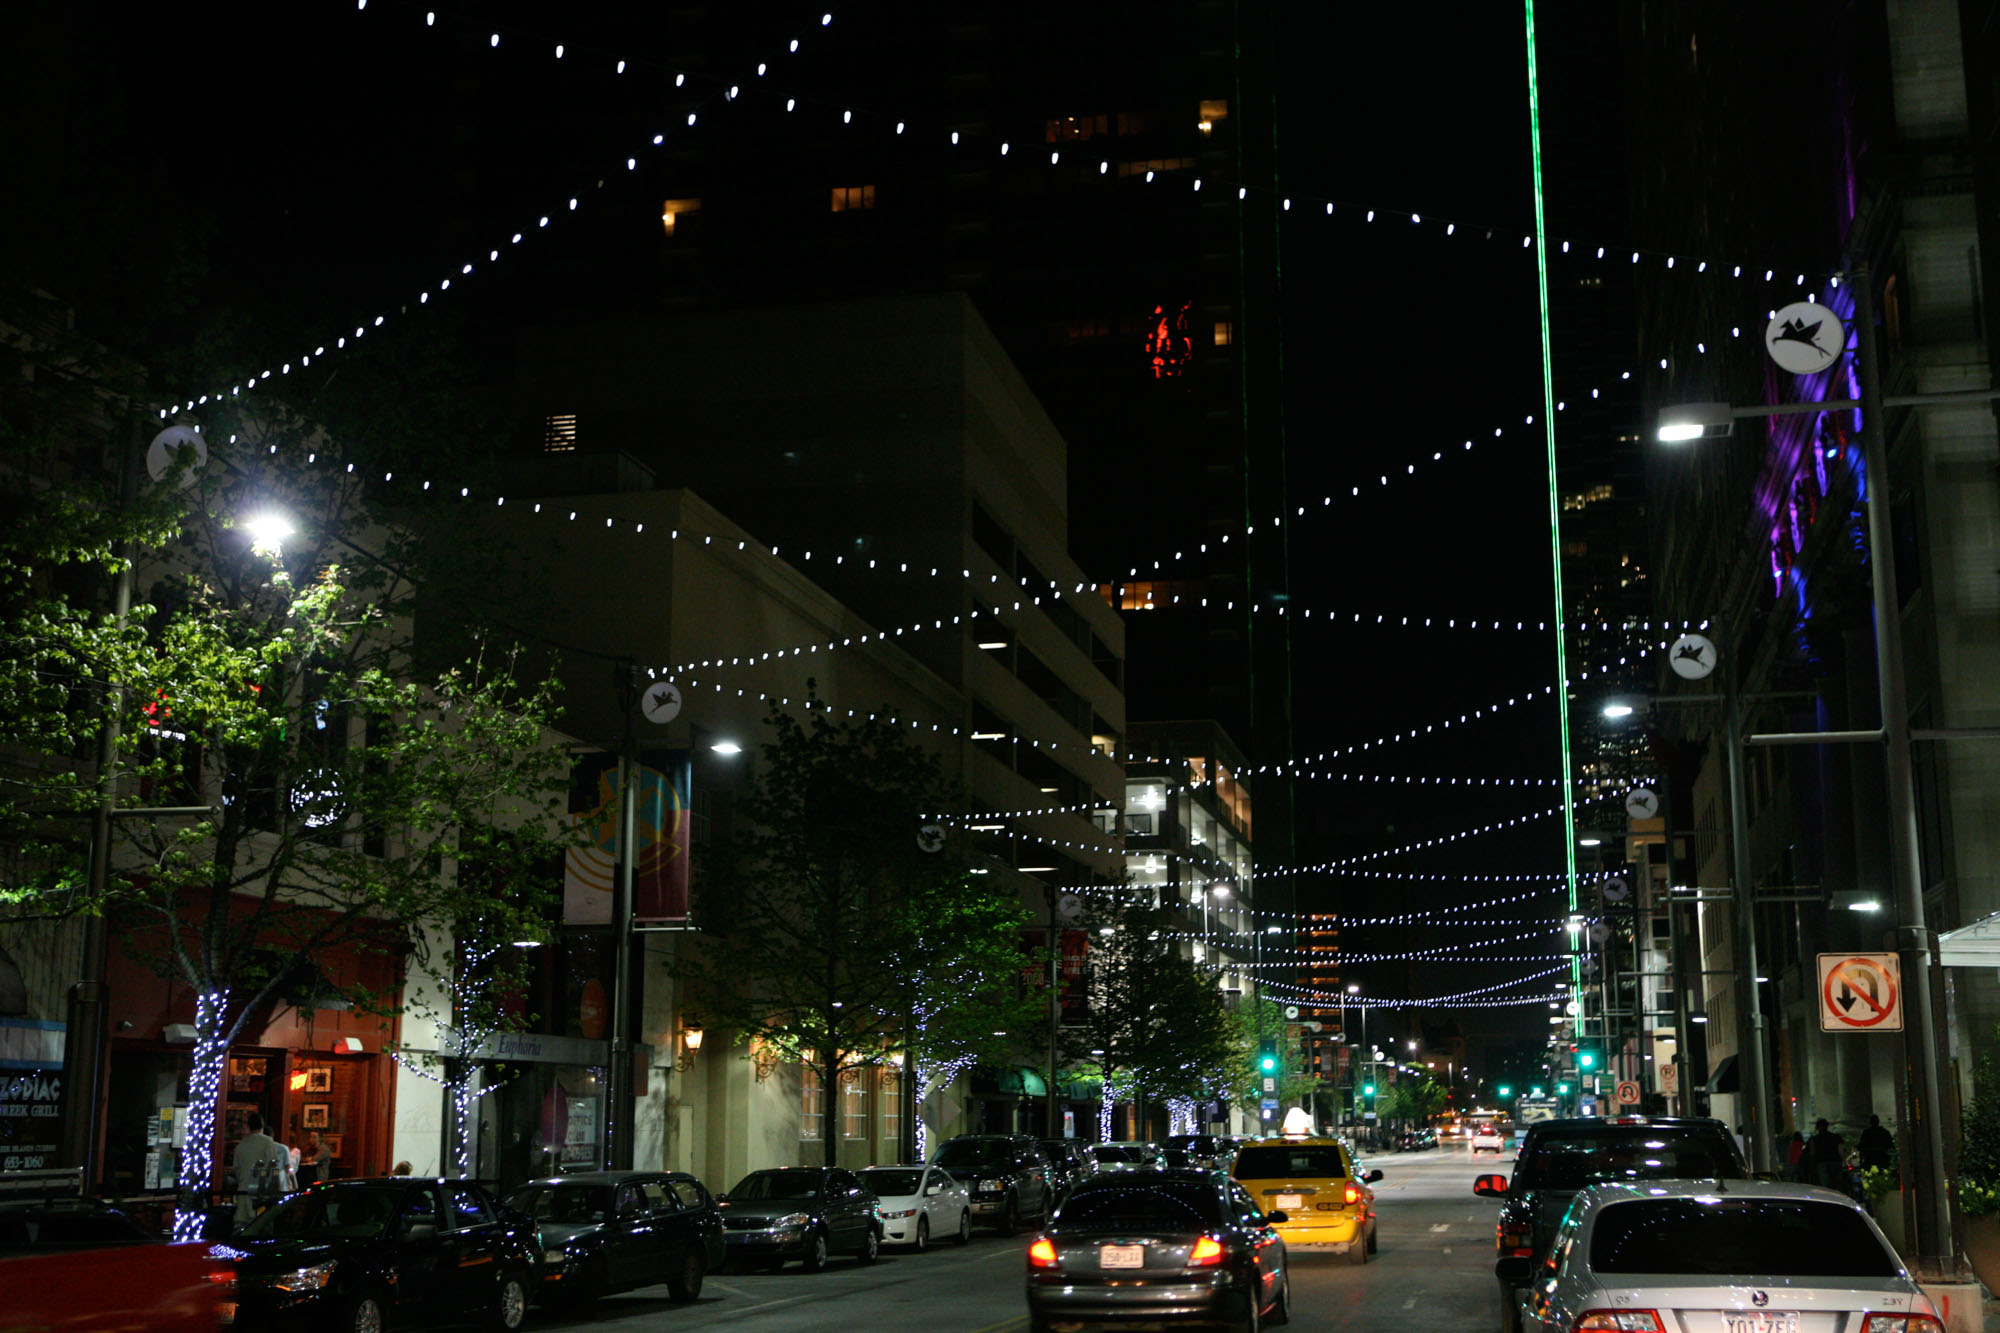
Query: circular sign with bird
<point>1642,803</point>
<point>1692,656</point>
<point>661,703</point>
<point>1805,338</point>
<point>930,838</point>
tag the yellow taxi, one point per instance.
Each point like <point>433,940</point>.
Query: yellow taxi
<point>1326,1199</point>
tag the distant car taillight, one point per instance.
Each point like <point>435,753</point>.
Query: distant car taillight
<point>1042,1254</point>
<point>1619,1321</point>
<point>1207,1253</point>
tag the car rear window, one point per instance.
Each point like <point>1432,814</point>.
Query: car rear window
<point>1760,1238</point>
<point>1571,1160</point>
<point>1276,1163</point>
<point>1161,1205</point>
<point>962,1153</point>
<point>566,1205</point>
<point>893,1183</point>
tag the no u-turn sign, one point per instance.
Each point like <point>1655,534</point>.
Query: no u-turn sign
<point>1860,992</point>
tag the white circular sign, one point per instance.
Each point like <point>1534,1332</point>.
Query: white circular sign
<point>1069,907</point>
<point>1590,965</point>
<point>164,452</point>
<point>661,703</point>
<point>1805,337</point>
<point>1642,803</point>
<point>1692,656</point>
<point>1291,1011</point>
<point>1599,933</point>
<point>930,838</point>
<point>1615,890</point>
<point>1572,1008</point>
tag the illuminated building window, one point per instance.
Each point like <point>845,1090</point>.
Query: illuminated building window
<point>1155,164</point>
<point>853,198</point>
<point>1075,127</point>
<point>559,433</point>
<point>673,208</point>
<point>1131,123</point>
<point>812,1104</point>
<point>892,1104</point>
<point>1152,596</point>
<point>1168,345</point>
<point>1225,332</point>
<point>1213,112</point>
<point>854,1104</point>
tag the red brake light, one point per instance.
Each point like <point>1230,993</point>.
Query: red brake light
<point>1619,1321</point>
<point>1207,1251</point>
<point>1901,1323</point>
<point>1353,1193</point>
<point>1042,1254</point>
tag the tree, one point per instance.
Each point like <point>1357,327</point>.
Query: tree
<point>1156,1025</point>
<point>831,934</point>
<point>267,688</point>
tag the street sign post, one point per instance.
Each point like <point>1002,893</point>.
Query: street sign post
<point>1860,992</point>
<point>1628,1093</point>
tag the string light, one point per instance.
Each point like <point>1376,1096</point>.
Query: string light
<point>195,1175</point>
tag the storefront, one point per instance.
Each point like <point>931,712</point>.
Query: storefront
<point>545,1114</point>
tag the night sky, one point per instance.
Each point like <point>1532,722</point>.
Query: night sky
<point>316,155</point>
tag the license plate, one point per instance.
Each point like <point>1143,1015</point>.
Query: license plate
<point>1289,1202</point>
<point>1122,1256</point>
<point>1760,1321</point>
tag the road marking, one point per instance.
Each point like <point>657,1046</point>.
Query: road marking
<point>1441,1226</point>
<point>1410,1302</point>
<point>1447,1249</point>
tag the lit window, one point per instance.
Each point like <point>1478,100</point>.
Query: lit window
<point>854,1104</point>
<point>812,1104</point>
<point>892,1105</point>
<point>853,198</point>
<point>559,433</point>
<point>1213,111</point>
<point>1225,332</point>
<point>673,208</point>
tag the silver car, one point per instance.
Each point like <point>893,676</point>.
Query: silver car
<point>1720,1256</point>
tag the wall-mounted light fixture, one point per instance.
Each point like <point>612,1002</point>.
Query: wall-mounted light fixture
<point>691,1035</point>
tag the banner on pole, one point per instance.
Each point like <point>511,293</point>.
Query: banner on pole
<point>660,830</point>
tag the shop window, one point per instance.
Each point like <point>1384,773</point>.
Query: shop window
<point>1225,332</point>
<point>854,1104</point>
<point>812,1104</point>
<point>853,198</point>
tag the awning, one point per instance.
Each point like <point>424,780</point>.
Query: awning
<point>1976,945</point>
<point>1725,1078</point>
<point>1014,1082</point>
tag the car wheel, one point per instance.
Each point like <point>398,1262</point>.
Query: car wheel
<point>815,1256</point>
<point>1253,1321</point>
<point>687,1286</point>
<point>923,1241</point>
<point>510,1303</point>
<point>1357,1253</point>
<point>1010,1221</point>
<point>580,1291</point>
<point>363,1314</point>
<point>871,1248</point>
<point>964,1236</point>
<point>1372,1234</point>
<point>1281,1309</point>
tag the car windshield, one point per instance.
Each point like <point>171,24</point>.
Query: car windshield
<point>342,1210</point>
<point>1290,1162</point>
<point>1751,1238</point>
<point>1159,1205</point>
<point>565,1205</point>
<point>888,1182</point>
<point>1571,1160</point>
<point>764,1185</point>
<point>1120,1152</point>
<point>962,1153</point>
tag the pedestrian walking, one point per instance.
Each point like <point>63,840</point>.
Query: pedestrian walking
<point>1878,1145</point>
<point>1795,1151</point>
<point>1825,1158</point>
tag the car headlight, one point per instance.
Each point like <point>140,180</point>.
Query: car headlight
<point>792,1222</point>
<point>305,1279</point>
<point>900,1212</point>
<point>993,1186</point>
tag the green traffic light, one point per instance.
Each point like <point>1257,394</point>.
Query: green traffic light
<point>1535,1092</point>
<point>1506,1091</point>
<point>1586,1059</point>
<point>1269,1064</point>
<point>1562,1087</point>
<point>1369,1090</point>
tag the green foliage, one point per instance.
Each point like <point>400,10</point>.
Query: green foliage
<point>830,934</point>
<point>1979,1144</point>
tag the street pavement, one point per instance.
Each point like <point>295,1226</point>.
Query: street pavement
<point>1433,1269</point>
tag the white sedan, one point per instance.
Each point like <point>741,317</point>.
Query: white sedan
<point>1734,1256</point>
<point>1488,1139</point>
<point>917,1203</point>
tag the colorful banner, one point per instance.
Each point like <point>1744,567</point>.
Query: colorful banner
<point>661,830</point>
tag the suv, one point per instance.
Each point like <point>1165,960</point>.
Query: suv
<point>1067,1162</point>
<point>1561,1157</point>
<point>1009,1178</point>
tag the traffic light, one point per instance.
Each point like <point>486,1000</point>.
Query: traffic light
<point>1506,1091</point>
<point>1563,1088</point>
<point>1534,1092</point>
<point>1368,1091</point>
<point>1267,1057</point>
<point>1586,1060</point>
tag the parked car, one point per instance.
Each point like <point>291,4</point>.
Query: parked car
<point>1127,1156</point>
<point>608,1231</point>
<point>1317,1185</point>
<point>1416,1140</point>
<point>1205,1149</point>
<point>43,1226</point>
<point>1069,1161</point>
<point>918,1202</point>
<point>358,1255</point>
<point>1009,1178</point>
<point>1749,1255</point>
<point>160,1288</point>
<point>1560,1157</point>
<point>1159,1247</point>
<point>806,1213</point>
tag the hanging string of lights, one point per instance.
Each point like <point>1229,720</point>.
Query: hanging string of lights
<point>1386,1002</point>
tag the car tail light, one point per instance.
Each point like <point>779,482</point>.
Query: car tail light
<point>1353,1193</point>
<point>1619,1321</point>
<point>1042,1254</point>
<point>1513,1240</point>
<point>1901,1323</point>
<point>1207,1252</point>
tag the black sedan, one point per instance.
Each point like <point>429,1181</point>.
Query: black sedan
<point>354,1256</point>
<point>607,1231</point>
<point>801,1212</point>
<point>1160,1247</point>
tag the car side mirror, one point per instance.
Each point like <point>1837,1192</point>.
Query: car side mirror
<point>1490,1186</point>
<point>933,1189</point>
<point>722,1198</point>
<point>1273,1218</point>
<point>1372,1176</point>
<point>1514,1269</point>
